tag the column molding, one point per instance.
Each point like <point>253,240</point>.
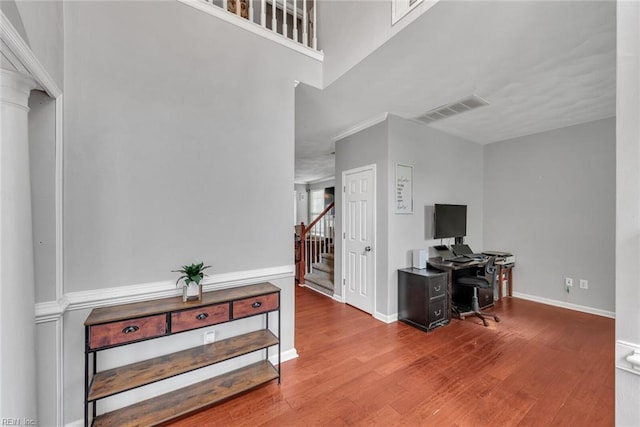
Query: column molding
<point>12,39</point>
<point>19,51</point>
<point>17,294</point>
<point>16,88</point>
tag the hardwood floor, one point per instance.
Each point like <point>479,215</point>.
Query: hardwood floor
<point>540,366</point>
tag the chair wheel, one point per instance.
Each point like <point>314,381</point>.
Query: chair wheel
<point>496,318</point>
<point>485,322</point>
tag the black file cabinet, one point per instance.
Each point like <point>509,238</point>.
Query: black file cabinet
<point>422,298</point>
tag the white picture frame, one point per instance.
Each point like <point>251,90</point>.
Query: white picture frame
<point>404,189</point>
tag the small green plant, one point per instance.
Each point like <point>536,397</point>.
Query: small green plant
<point>191,273</point>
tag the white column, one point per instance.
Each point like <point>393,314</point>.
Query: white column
<point>17,300</point>
<point>627,210</point>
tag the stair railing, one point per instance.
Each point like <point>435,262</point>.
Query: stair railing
<point>316,239</point>
<point>292,19</point>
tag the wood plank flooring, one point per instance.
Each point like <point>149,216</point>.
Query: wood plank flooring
<point>540,366</point>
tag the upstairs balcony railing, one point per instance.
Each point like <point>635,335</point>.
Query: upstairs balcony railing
<point>293,19</point>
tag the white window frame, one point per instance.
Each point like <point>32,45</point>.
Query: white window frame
<point>400,8</point>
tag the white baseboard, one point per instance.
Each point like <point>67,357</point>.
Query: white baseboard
<point>315,290</point>
<point>386,318</point>
<point>567,305</point>
<point>284,356</point>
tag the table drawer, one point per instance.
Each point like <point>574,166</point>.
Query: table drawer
<point>199,317</point>
<point>127,331</point>
<point>255,305</point>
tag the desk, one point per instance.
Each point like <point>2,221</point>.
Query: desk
<point>449,267</point>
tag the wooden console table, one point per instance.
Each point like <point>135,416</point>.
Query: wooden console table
<point>122,325</point>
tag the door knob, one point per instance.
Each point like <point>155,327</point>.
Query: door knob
<point>367,249</point>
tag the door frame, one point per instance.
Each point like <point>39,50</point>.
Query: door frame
<point>343,280</point>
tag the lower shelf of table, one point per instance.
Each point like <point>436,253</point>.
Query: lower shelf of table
<point>184,401</point>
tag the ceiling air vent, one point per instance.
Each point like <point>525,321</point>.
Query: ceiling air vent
<point>466,104</point>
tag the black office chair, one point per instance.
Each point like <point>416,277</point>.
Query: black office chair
<point>477,282</point>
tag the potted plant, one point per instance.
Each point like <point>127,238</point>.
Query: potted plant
<point>192,275</point>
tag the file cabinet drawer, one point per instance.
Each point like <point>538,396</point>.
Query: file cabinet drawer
<point>199,317</point>
<point>255,305</point>
<point>437,287</point>
<point>127,331</point>
<point>437,311</point>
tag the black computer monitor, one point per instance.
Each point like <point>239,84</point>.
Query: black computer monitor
<point>450,221</point>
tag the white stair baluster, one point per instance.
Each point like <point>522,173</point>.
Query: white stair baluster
<point>315,38</point>
<point>325,234</point>
<point>274,11</point>
<point>225,5</point>
<point>263,13</point>
<point>284,18</point>
<point>305,17</point>
<point>310,244</point>
<point>250,10</point>
<point>295,20</point>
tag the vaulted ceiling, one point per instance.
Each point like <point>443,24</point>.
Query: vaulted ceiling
<point>541,65</point>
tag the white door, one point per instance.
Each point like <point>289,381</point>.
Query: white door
<point>359,225</point>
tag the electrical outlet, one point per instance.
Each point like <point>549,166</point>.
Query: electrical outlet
<point>584,284</point>
<point>209,337</point>
<point>568,281</point>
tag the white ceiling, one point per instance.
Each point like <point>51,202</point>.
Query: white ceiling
<point>541,65</point>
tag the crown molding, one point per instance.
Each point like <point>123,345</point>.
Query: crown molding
<point>20,50</point>
<point>361,126</point>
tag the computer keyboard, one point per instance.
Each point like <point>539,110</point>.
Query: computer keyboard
<point>461,259</point>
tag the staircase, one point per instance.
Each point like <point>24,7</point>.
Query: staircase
<point>321,276</point>
<point>314,253</point>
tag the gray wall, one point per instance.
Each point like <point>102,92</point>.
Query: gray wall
<point>550,199</point>
<point>42,157</point>
<point>446,169</point>
<point>161,165</point>
<point>367,147</point>
<point>366,26</point>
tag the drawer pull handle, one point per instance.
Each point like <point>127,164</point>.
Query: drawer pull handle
<point>436,288</point>
<point>202,316</point>
<point>438,312</point>
<point>256,304</point>
<point>130,329</point>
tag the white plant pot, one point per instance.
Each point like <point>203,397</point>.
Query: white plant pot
<point>191,292</point>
